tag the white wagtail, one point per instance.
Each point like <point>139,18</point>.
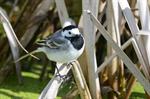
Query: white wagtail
<point>64,46</point>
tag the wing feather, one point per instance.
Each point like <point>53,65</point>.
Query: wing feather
<point>54,41</point>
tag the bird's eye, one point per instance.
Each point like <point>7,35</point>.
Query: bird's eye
<point>69,32</point>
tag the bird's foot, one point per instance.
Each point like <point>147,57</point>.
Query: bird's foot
<point>63,77</point>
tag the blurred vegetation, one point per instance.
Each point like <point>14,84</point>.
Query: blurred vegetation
<point>31,26</point>
<point>32,86</point>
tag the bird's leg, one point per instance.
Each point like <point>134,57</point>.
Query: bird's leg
<point>58,74</point>
<point>64,77</point>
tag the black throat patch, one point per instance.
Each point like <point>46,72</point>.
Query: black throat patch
<point>77,41</point>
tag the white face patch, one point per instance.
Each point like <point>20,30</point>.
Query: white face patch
<point>75,31</point>
<point>71,33</point>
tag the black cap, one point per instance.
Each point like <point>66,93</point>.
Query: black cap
<point>69,27</point>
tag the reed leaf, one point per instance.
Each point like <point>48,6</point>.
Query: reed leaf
<point>12,42</point>
<point>134,70</point>
<point>134,30</point>
<point>145,22</point>
<point>89,34</point>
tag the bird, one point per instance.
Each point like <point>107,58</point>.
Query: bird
<point>64,46</point>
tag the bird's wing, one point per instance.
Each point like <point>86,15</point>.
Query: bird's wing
<point>54,41</point>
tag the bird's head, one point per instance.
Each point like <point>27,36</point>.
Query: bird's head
<point>73,34</point>
<point>70,31</point>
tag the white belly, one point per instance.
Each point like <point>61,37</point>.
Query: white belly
<point>63,56</point>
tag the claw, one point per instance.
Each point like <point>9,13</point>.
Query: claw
<point>59,75</point>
